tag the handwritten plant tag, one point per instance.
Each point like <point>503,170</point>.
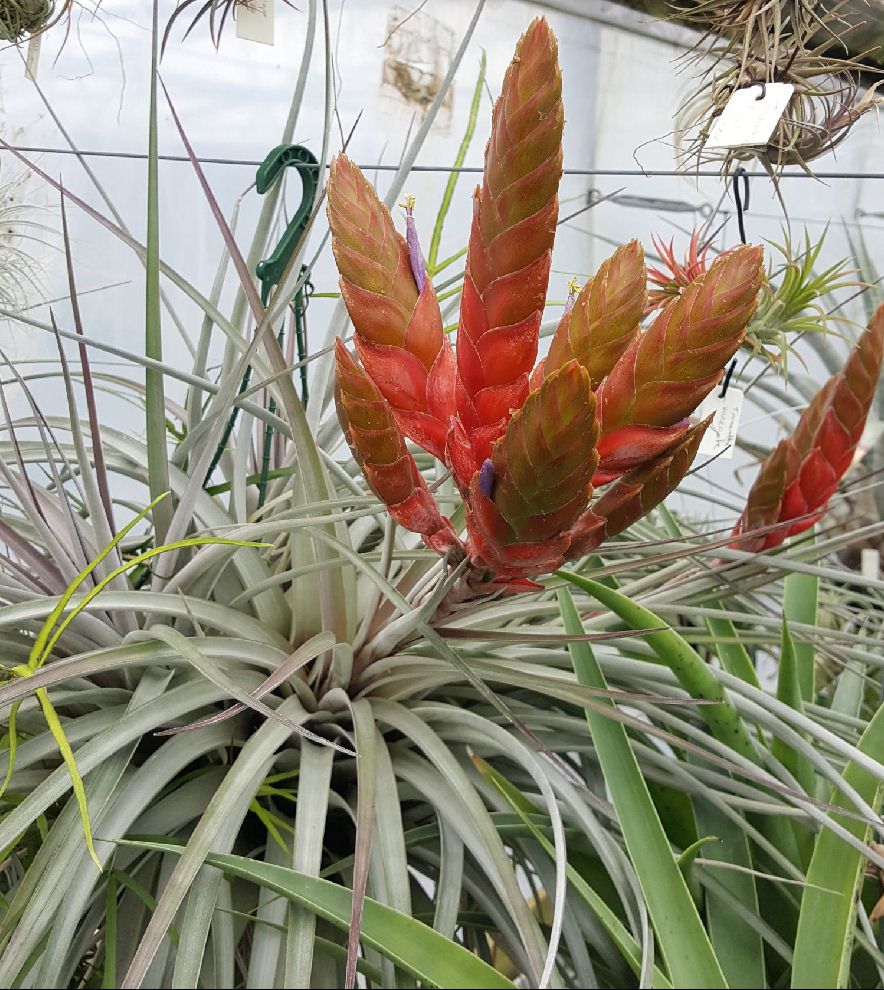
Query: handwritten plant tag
<point>721,436</point>
<point>254,21</point>
<point>750,116</point>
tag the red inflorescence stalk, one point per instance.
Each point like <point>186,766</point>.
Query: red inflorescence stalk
<point>510,250</point>
<point>797,480</point>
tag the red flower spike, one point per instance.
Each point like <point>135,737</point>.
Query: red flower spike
<point>631,446</point>
<point>766,498</point>
<point>508,258</point>
<point>605,316</point>
<point>376,441</point>
<point>399,335</point>
<point>666,372</point>
<point>540,478</point>
<point>803,471</point>
<point>636,493</point>
<point>524,443</point>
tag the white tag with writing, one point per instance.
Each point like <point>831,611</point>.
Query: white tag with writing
<point>721,436</point>
<point>254,21</point>
<point>750,116</point>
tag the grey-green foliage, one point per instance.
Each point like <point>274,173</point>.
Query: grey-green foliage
<point>476,804</point>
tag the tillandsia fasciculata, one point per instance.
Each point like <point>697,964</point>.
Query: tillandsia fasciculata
<point>528,442</point>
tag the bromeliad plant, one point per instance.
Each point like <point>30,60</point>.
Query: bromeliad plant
<point>297,773</point>
<point>527,443</point>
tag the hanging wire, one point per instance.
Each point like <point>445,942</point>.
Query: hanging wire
<point>741,202</point>
<point>727,379</point>
<point>462,169</point>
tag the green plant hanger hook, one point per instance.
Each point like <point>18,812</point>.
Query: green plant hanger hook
<point>270,272</point>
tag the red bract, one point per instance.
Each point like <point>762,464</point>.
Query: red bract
<point>637,492</point>
<point>399,335</point>
<point>526,442</point>
<point>377,444</point>
<point>510,248</point>
<point>541,479</point>
<point>803,471</point>
<point>666,372</point>
<point>604,318</point>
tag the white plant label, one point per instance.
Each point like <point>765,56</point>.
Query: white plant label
<point>254,21</point>
<point>870,563</point>
<point>32,60</point>
<point>750,116</point>
<point>721,436</point>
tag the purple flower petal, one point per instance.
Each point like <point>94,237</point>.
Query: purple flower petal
<point>486,478</point>
<point>415,255</point>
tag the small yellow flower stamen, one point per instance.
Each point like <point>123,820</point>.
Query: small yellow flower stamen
<point>573,286</point>
<point>407,202</point>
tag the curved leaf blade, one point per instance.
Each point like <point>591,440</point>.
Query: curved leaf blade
<point>683,940</point>
<point>827,919</point>
<point>412,945</point>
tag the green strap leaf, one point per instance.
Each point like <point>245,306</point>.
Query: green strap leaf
<point>737,943</point>
<point>67,754</point>
<point>697,677</point>
<point>826,923</point>
<point>790,693</point>
<point>800,606</point>
<point>700,681</point>
<point>454,175</point>
<point>410,944</point>
<point>683,941</point>
<point>622,937</point>
<point>733,655</point>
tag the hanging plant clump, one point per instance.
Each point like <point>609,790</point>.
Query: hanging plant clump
<point>216,12</point>
<point>759,42</point>
<point>20,19</point>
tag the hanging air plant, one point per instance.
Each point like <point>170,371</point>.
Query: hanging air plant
<point>216,12</point>
<point>792,294</point>
<point>20,19</point>
<point>772,41</point>
<point>20,272</point>
<point>751,26</point>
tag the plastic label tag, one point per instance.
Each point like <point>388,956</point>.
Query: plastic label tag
<point>721,436</point>
<point>750,116</point>
<point>254,21</point>
<point>32,60</point>
<point>870,563</point>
